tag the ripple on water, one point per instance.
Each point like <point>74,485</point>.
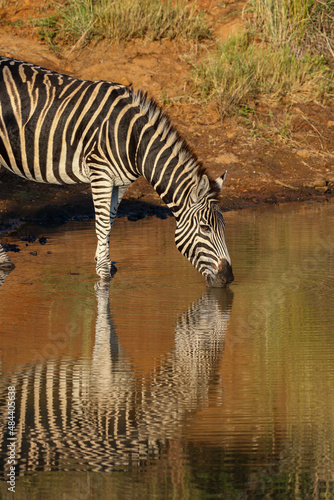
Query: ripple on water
<point>158,384</point>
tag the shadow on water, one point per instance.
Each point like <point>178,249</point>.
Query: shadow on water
<point>95,414</point>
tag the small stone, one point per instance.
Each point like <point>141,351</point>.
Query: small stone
<point>321,189</point>
<point>318,183</point>
<point>304,154</point>
<point>226,159</point>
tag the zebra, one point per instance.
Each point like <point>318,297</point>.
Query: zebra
<point>97,413</point>
<point>5,262</point>
<point>59,129</point>
<point>3,275</point>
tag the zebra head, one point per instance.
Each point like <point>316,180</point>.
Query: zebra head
<point>200,233</point>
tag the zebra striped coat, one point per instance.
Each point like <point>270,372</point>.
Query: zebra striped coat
<point>62,130</point>
<point>99,414</point>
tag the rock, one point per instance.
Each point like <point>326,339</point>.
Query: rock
<point>303,153</point>
<point>8,247</point>
<point>318,183</point>
<point>225,159</point>
<point>322,189</point>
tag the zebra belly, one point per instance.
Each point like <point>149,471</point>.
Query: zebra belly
<point>68,169</point>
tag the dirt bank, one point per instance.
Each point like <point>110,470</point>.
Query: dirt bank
<point>262,168</point>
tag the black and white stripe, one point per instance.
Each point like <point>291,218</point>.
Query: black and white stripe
<point>62,130</point>
<point>99,414</point>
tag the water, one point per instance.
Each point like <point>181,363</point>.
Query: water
<point>159,388</point>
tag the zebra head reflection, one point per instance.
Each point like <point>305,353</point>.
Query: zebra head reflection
<point>95,414</point>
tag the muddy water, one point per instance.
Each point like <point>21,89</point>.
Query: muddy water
<point>158,388</point>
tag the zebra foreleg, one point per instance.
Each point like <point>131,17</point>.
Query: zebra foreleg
<point>102,202</point>
<point>5,262</point>
<point>106,200</point>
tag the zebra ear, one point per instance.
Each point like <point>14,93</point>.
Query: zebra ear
<point>220,180</point>
<point>201,189</point>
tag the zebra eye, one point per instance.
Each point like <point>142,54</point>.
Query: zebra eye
<point>205,228</point>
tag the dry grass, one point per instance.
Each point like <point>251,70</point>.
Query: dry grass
<point>84,20</point>
<point>304,25</point>
<point>242,70</point>
<point>281,58</point>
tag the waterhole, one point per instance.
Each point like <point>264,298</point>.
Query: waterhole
<point>157,387</point>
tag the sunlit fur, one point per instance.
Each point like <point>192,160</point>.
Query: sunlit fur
<point>200,236</point>
<point>62,130</point>
<point>177,180</point>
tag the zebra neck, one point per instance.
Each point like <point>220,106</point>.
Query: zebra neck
<point>171,169</point>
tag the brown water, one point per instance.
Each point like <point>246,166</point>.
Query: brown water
<point>160,389</point>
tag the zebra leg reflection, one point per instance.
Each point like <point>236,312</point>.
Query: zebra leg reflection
<point>3,275</point>
<point>99,414</point>
<point>5,262</point>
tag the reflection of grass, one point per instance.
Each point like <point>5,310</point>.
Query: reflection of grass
<point>281,337</point>
<point>80,21</point>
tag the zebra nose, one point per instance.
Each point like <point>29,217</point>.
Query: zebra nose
<point>225,272</point>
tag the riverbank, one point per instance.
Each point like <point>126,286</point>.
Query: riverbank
<point>273,154</point>
<point>22,201</point>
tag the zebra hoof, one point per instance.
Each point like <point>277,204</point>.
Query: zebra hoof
<point>106,273</point>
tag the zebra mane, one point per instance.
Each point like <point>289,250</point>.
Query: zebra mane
<point>158,118</point>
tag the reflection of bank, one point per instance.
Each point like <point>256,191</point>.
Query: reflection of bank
<point>95,413</point>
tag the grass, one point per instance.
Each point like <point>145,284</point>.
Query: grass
<point>242,70</point>
<point>285,55</point>
<point>302,24</point>
<point>274,61</point>
<point>81,21</point>
<point>282,21</point>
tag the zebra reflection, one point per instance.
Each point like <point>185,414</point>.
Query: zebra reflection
<point>96,414</point>
<point>3,275</point>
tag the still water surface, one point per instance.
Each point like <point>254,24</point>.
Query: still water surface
<point>157,388</point>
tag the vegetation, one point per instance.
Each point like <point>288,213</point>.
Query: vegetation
<point>301,24</point>
<point>285,54</point>
<point>81,21</point>
<point>242,70</point>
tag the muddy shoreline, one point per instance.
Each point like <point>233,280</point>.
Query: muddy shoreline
<point>267,163</point>
<point>24,202</point>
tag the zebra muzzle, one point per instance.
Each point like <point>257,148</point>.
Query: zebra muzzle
<point>223,276</point>
<point>225,272</point>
